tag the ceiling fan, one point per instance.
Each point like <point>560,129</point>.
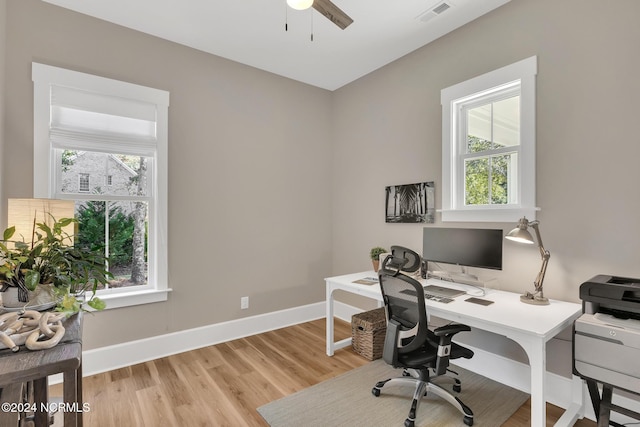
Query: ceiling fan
<point>327,8</point>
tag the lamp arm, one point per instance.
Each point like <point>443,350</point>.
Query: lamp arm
<point>545,259</point>
<point>534,225</point>
<point>543,269</point>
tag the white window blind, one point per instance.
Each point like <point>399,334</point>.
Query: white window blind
<point>98,122</point>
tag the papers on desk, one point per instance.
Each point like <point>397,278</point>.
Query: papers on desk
<point>367,281</point>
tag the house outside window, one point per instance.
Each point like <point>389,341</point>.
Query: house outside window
<point>488,146</point>
<point>103,143</point>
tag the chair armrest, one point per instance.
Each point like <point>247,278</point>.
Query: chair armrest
<point>452,329</point>
<point>445,333</point>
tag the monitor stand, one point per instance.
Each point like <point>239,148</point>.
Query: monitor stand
<point>463,278</point>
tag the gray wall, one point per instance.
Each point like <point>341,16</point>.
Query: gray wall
<point>316,190</point>
<point>249,176</point>
<point>587,141</point>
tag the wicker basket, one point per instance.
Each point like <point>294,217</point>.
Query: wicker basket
<point>368,330</point>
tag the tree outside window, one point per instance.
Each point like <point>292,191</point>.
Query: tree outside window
<point>105,221</point>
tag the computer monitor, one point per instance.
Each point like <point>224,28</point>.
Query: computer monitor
<point>469,247</point>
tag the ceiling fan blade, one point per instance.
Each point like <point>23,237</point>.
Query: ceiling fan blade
<point>333,13</point>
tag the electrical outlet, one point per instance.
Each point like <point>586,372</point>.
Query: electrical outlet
<point>244,303</point>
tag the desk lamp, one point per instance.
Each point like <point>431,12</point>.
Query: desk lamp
<point>521,234</point>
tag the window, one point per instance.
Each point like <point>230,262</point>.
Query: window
<point>83,182</point>
<point>488,146</point>
<point>103,143</point>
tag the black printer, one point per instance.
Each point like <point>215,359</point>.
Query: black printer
<point>618,296</point>
<point>606,341</point>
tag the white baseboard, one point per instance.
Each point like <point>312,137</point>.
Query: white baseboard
<point>117,356</point>
<point>490,365</point>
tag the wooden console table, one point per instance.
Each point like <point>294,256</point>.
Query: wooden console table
<point>27,366</point>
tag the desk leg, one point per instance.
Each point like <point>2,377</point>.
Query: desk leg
<point>332,345</point>
<point>536,351</point>
<point>575,411</point>
<point>72,396</point>
<point>41,400</point>
<point>538,366</point>
<point>79,394</point>
<point>329,320</point>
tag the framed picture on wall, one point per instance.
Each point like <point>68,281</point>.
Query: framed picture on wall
<point>410,203</point>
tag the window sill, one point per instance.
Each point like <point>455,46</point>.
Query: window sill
<point>127,299</point>
<point>488,214</point>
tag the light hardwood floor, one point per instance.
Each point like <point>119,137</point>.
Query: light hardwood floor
<point>222,385</point>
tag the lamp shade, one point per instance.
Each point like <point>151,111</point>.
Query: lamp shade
<point>520,234</point>
<point>300,4</point>
<point>22,213</point>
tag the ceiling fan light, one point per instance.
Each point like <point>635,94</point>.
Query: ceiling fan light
<point>300,4</point>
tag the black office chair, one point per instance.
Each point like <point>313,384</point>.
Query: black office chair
<point>410,345</point>
<point>403,259</point>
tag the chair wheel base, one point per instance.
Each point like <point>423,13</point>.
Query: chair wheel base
<point>468,421</point>
<point>408,423</point>
<point>457,388</point>
<point>375,391</point>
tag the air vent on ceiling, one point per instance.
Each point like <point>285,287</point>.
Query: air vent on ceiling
<point>434,11</point>
<point>441,8</point>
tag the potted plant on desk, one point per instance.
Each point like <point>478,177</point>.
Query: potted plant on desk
<point>49,272</point>
<point>375,256</point>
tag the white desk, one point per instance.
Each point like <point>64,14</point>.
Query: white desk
<point>528,325</point>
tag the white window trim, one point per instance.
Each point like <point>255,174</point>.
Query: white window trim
<point>44,77</point>
<point>524,71</point>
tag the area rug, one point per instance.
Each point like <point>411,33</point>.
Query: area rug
<point>347,401</point>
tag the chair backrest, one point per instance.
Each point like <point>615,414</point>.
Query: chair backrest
<point>404,259</point>
<point>406,312</point>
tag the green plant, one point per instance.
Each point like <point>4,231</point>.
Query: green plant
<point>49,260</point>
<point>18,266</point>
<point>91,233</point>
<point>375,253</point>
